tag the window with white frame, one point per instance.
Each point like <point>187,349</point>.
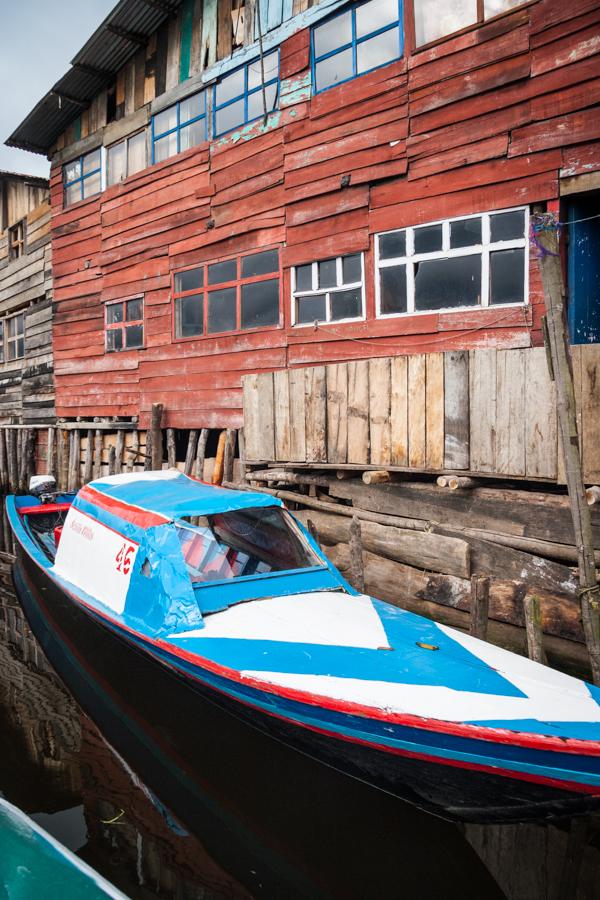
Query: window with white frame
<point>473,261</point>
<point>126,158</point>
<point>331,290</point>
<point>13,332</point>
<point>82,177</point>
<point>124,324</point>
<point>179,127</point>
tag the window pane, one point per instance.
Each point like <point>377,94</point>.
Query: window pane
<point>465,233</point>
<point>392,289</point>
<point>92,185</point>
<point>333,70</point>
<point>221,311</point>
<point>375,15</point>
<point>189,313</point>
<point>117,163</point>
<point>191,108</point>
<point>507,226</point>
<point>327,273</point>
<point>445,283</point>
<point>114,313</point>
<point>134,336</point>
<point>351,269</point>
<point>428,239</point>
<point>304,278</point>
<point>311,309</point>
<point>271,65</point>
<point>433,20</point>
<point>190,280</point>
<point>333,34</point>
<point>378,50</point>
<point>192,135</point>
<point>136,153</point>
<point>134,310</point>
<point>231,86</point>
<point>114,339</point>
<point>260,263</point>
<point>230,117</point>
<point>222,271</point>
<point>72,170</point>
<point>73,193</point>
<point>507,276</point>
<point>91,162</point>
<point>256,106</point>
<point>393,245</point>
<point>346,304</point>
<point>20,347</point>
<point>495,7</point>
<point>260,303</point>
<point>165,147</point>
<point>165,120</point>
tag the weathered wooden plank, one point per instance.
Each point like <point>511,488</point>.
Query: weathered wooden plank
<point>296,387</point>
<point>281,392</point>
<point>209,33</point>
<point>399,411</point>
<point>510,412</point>
<point>456,410</point>
<point>482,409</point>
<point>434,406</point>
<point>316,414</point>
<point>337,413</point>
<point>379,411</point>
<point>541,433</point>
<point>251,415</point>
<point>590,411</point>
<point>358,412</point>
<point>416,410</point>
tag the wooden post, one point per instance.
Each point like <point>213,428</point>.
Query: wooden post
<point>357,569</point>
<point>552,281</point>
<point>3,464</point>
<point>22,458</point>
<point>11,452</point>
<point>229,454</point>
<point>30,448</point>
<point>74,460</point>
<point>148,454</point>
<point>217,477</point>
<point>97,454</point>
<point>88,463</point>
<point>133,451</point>
<point>533,627</point>
<point>63,459</point>
<point>201,452</point>
<point>569,878</point>
<point>157,447</point>
<point>171,451</point>
<point>191,452</point>
<point>480,606</point>
<point>112,460</point>
<point>51,452</point>
<point>242,453</point>
<point>119,447</point>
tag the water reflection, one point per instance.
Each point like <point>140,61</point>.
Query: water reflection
<point>178,799</point>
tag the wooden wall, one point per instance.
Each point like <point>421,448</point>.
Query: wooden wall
<point>481,411</point>
<point>489,119</point>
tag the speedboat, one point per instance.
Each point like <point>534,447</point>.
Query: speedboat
<point>231,594</point>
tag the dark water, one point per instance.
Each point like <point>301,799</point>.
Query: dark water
<point>168,800</point>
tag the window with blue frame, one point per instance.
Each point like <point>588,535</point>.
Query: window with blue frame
<point>82,177</point>
<point>238,96</point>
<point>356,40</point>
<point>179,127</point>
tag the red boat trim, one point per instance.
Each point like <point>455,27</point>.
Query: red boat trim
<point>137,515</point>
<point>43,508</point>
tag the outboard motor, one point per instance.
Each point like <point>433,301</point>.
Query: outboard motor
<point>43,486</point>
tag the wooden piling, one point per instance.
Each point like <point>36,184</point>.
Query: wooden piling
<point>11,453</point>
<point>157,447</point>
<point>171,451</point>
<point>29,455</point>
<point>480,606</point>
<point>229,454</point>
<point>533,626</point>
<point>217,476</point>
<point>97,454</point>
<point>63,459</point>
<point>357,569</point>
<point>312,530</point>
<point>3,462</point>
<point>74,459</point>
<point>191,452</point>
<point>201,452</point>
<point>119,448</point>
<point>112,460</point>
<point>132,453</point>
<point>88,463</point>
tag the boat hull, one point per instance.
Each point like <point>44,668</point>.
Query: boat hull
<point>448,789</point>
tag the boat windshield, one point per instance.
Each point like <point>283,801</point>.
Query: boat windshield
<point>241,543</point>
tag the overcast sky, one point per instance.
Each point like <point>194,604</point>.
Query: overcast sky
<point>38,40</point>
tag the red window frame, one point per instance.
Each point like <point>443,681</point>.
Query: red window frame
<point>236,283</point>
<point>122,325</point>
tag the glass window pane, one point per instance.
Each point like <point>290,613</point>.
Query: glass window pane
<point>378,51</point>
<point>114,339</point>
<point>333,34</point>
<point>375,15</point>
<point>393,245</point>
<point>230,86</point>
<point>327,273</point>
<point>445,283</point>
<point>392,289</point>
<point>72,170</point>
<point>351,269</point>
<point>428,239</point>
<point>73,193</point>
<point>134,336</point>
<point>189,314</point>
<point>92,185</point>
<point>230,117</point>
<point>433,20</point>
<point>333,70</point>
<point>495,7</point>
<point>507,276</point>
<point>117,163</point>
<point>256,106</point>
<point>304,278</point>
<point>165,120</point>
<point>136,153</point>
<point>465,233</point>
<point>346,304</point>
<point>222,271</point>
<point>271,66</point>
<point>191,108</point>
<point>114,313</point>
<point>134,310</point>
<point>260,303</point>
<point>311,309</point>
<point>507,226</point>
<point>165,147</point>
<point>190,280</point>
<point>192,135</point>
<point>221,311</point>
<point>91,162</point>
<point>260,263</point>
<point>20,348</point>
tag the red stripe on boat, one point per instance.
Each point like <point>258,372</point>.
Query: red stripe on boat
<point>137,515</point>
<point>43,508</point>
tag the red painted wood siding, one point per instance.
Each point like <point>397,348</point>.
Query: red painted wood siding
<point>482,121</point>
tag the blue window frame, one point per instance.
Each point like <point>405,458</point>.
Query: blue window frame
<point>238,96</point>
<point>355,40</point>
<point>179,127</point>
<point>82,177</point>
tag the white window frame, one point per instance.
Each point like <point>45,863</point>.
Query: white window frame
<point>484,249</point>
<point>8,340</point>
<point>316,291</point>
<point>125,141</point>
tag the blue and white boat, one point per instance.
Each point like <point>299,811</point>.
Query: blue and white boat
<point>230,592</point>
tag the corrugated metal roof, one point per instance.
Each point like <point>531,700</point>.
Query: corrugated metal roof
<point>125,29</point>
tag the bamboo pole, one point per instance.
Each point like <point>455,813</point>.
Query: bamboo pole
<point>552,281</point>
<point>157,444</point>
